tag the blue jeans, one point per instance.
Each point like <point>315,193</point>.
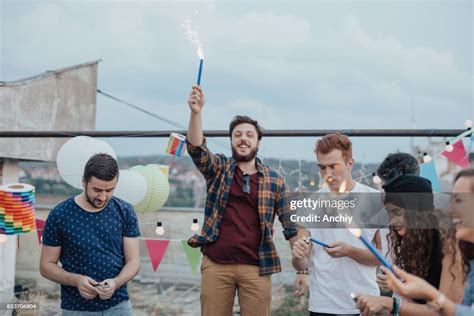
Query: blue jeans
<point>122,309</point>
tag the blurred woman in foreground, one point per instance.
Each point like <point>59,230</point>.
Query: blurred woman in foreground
<point>462,212</point>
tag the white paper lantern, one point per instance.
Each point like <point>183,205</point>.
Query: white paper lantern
<point>158,189</point>
<point>131,186</point>
<point>74,154</point>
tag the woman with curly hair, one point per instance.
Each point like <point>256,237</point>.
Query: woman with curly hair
<point>461,210</point>
<point>419,242</point>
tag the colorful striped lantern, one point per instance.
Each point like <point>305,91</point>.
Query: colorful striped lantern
<point>176,145</point>
<point>17,209</point>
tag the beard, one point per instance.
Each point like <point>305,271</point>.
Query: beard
<point>95,203</point>
<point>244,158</point>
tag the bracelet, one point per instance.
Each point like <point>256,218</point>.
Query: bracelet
<point>305,271</point>
<point>438,303</point>
<point>396,306</point>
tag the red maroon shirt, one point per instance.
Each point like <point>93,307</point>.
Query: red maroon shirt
<point>239,233</point>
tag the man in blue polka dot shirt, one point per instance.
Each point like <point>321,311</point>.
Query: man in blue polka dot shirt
<point>94,236</point>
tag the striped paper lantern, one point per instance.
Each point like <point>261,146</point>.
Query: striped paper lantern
<point>158,188</point>
<point>131,186</point>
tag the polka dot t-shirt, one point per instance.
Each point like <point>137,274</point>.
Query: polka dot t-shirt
<point>92,245</point>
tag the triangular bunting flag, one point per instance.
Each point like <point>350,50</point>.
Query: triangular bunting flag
<point>156,251</point>
<point>39,229</point>
<point>428,171</point>
<point>193,254</point>
<point>458,155</point>
<point>470,145</point>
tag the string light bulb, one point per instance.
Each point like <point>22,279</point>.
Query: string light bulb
<point>376,179</point>
<point>195,225</point>
<point>159,229</point>
<point>449,148</point>
<point>468,124</point>
<point>426,158</point>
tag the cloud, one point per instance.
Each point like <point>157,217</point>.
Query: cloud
<point>418,70</point>
<point>279,66</point>
<point>258,34</point>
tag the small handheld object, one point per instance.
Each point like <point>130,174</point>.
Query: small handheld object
<point>200,72</point>
<point>105,285</point>
<point>317,242</point>
<point>357,233</point>
<point>354,297</point>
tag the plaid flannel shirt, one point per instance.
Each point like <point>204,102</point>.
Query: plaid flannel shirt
<point>218,170</point>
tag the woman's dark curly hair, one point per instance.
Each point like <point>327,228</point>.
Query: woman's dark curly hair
<point>467,252</point>
<point>426,229</point>
<point>413,251</point>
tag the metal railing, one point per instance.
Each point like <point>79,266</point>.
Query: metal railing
<point>225,133</point>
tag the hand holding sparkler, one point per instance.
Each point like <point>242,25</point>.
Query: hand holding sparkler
<point>196,100</point>
<point>301,249</point>
<point>411,286</point>
<point>382,281</point>
<point>338,249</point>
<point>301,252</point>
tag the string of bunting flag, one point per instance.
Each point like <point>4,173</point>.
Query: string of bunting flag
<point>156,247</point>
<point>453,150</point>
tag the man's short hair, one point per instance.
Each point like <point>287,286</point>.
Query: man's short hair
<point>397,164</point>
<point>102,166</point>
<point>335,141</point>
<point>240,119</point>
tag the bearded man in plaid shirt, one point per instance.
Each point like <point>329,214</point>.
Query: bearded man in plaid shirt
<point>243,198</point>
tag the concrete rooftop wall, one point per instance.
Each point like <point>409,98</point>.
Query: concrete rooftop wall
<point>57,100</point>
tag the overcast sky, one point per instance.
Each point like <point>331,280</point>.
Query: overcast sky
<point>289,64</point>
